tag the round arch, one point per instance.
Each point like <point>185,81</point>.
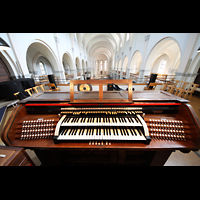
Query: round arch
<point>125,64</point>
<point>67,62</point>
<point>136,61</point>
<point>83,64</point>
<point>9,64</point>
<point>78,63</point>
<point>194,68</point>
<point>119,64</point>
<point>36,49</point>
<point>167,47</point>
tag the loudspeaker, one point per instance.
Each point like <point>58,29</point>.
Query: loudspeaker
<point>152,79</point>
<point>110,87</point>
<point>51,79</point>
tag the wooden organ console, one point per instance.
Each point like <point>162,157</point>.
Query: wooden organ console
<point>103,128</point>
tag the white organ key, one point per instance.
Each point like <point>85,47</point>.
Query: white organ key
<point>125,134</point>
<point>126,120</point>
<point>74,120</point>
<point>138,135</point>
<point>112,134</point>
<point>133,135</point>
<point>77,132</point>
<point>68,131</point>
<point>79,121</point>
<point>94,133</point>
<point>61,135</point>
<point>98,133</point>
<point>120,137</point>
<point>71,134</point>
<point>90,135</point>
<point>102,134</point>
<point>130,134</point>
<point>64,136</point>
<point>81,135</point>
<point>142,137</point>
<point>111,121</point>
<point>107,120</point>
<point>70,121</point>
<point>105,136</point>
<point>78,137</point>
<point>116,134</point>
<point>84,134</point>
<point>63,132</point>
<point>133,120</point>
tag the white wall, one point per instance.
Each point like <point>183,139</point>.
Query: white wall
<point>60,43</point>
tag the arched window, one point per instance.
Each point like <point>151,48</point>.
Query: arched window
<point>127,36</point>
<point>105,65</point>
<point>101,65</point>
<point>42,67</point>
<point>162,66</point>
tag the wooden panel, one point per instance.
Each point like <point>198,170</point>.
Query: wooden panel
<point>4,73</point>
<point>137,96</point>
<point>11,134</point>
<point>158,149</point>
<point>14,156</point>
<point>101,83</point>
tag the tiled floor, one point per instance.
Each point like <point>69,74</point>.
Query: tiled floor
<point>177,158</point>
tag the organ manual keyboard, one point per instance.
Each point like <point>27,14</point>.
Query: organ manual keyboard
<point>98,125</point>
<point>104,127</point>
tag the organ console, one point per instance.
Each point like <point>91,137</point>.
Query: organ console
<point>104,127</point>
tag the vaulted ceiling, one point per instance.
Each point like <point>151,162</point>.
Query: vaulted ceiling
<point>97,44</point>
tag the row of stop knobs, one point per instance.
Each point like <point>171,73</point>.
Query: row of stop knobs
<point>37,129</point>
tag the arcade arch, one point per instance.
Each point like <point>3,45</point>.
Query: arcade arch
<point>67,63</point>
<point>125,63</point>
<point>135,62</point>
<point>167,49</point>
<point>38,52</point>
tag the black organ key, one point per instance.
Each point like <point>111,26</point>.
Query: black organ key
<point>61,133</point>
<point>111,125</point>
